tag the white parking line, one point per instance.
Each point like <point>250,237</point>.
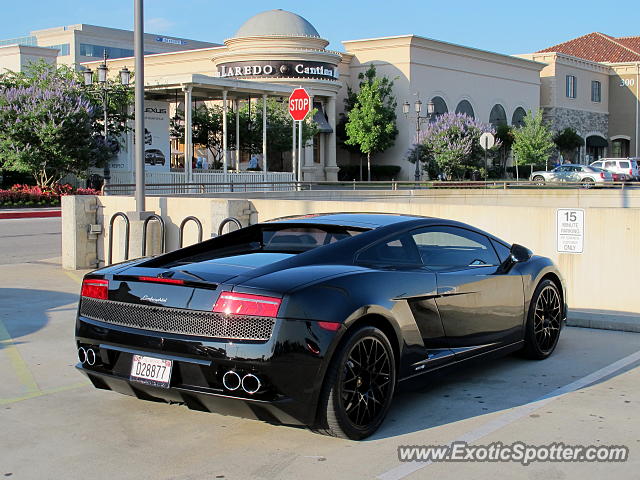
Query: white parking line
<point>405,469</point>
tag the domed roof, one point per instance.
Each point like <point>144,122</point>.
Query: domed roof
<point>277,22</point>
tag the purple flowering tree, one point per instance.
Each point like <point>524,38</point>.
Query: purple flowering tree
<point>49,125</point>
<point>452,142</point>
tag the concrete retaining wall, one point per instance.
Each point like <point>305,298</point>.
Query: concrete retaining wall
<point>601,280</point>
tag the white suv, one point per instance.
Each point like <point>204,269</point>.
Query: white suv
<point>625,166</point>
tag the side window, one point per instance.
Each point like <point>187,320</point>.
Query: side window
<point>443,247</point>
<point>624,165</point>
<point>609,164</point>
<point>503,251</point>
<point>400,250</point>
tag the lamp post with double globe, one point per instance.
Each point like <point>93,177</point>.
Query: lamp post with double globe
<point>418,109</point>
<point>104,90</point>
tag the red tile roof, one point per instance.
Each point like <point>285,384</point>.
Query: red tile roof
<point>599,47</point>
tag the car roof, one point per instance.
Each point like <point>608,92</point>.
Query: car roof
<point>368,220</point>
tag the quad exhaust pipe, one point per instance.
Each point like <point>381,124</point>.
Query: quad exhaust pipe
<point>87,356</point>
<point>250,383</point>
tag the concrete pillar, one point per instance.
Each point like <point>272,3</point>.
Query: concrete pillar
<point>264,137</point>
<point>188,135</point>
<point>331,167</point>
<point>79,246</point>
<point>237,135</point>
<point>225,146</point>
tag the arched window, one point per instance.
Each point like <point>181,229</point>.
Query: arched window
<point>439,107</point>
<point>465,107</point>
<point>518,117</point>
<point>620,148</point>
<point>497,115</point>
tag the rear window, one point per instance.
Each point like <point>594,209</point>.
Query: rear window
<point>591,169</point>
<point>302,238</point>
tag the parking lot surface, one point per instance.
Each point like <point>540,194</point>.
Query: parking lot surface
<point>54,425</point>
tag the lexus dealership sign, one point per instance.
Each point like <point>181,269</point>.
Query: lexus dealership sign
<point>278,69</point>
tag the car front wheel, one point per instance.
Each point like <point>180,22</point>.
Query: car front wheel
<point>359,386</point>
<point>544,320</point>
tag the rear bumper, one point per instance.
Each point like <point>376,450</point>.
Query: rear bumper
<point>276,412</point>
<point>290,366</point>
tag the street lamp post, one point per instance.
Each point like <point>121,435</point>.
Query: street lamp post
<point>102,74</point>
<point>418,108</point>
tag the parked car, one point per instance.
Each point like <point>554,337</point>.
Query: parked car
<point>315,320</point>
<point>153,156</point>
<point>626,166</point>
<point>588,176</point>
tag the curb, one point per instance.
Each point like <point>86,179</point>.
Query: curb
<point>30,214</point>
<point>605,322</point>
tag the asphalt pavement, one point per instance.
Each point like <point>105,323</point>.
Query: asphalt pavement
<point>29,239</point>
<point>55,426</point>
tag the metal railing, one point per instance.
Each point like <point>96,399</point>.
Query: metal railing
<point>159,219</point>
<point>181,231</point>
<point>224,222</point>
<point>126,235</point>
<point>394,185</point>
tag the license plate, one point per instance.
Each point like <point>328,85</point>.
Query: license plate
<point>152,371</point>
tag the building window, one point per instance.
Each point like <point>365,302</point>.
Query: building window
<point>316,148</point>
<point>89,50</point>
<point>596,91</point>
<point>571,86</point>
<point>517,119</point>
<point>63,49</point>
<point>620,148</point>
<point>465,107</point>
<point>497,116</point>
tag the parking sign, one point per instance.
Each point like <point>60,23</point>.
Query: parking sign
<point>570,230</point>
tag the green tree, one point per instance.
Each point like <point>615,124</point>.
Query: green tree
<point>51,124</point>
<point>567,141</point>
<point>371,121</point>
<point>533,141</point>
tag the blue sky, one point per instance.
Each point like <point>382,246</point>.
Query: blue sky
<point>501,26</point>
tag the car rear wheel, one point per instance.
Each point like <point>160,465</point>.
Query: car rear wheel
<point>538,180</point>
<point>588,182</point>
<point>543,321</point>
<point>359,386</point>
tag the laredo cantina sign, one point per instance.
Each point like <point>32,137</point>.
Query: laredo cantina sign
<point>278,69</point>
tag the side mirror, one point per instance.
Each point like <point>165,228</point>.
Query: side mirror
<point>519,253</point>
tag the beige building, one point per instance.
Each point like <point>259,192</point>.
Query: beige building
<point>283,48</point>
<point>591,83</point>
<point>74,44</point>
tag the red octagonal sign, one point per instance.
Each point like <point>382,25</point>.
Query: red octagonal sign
<point>299,104</point>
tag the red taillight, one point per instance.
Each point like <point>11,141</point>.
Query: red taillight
<point>631,172</point>
<point>331,326</point>
<point>601,174</point>
<point>95,288</point>
<point>247,304</point>
<point>161,280</point>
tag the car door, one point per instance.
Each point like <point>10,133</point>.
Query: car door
<point>414,292</point>
<point>481,308</point>
<point>558,174</point>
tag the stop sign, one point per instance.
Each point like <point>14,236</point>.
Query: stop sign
<point>299,104</point>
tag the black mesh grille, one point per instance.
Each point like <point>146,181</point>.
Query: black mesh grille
<point>175,320</point>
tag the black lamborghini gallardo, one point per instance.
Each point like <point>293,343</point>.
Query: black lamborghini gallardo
<point>314,320</point>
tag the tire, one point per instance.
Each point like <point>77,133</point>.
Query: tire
<point>539,179</point>
<point>338,414</point>
<point>588,182</point>
<point>544,321</point>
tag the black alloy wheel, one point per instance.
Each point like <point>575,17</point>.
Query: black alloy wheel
<point>359,386</point>
<point>544,321</point>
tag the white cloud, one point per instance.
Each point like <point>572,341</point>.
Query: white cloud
<point>158,25</point>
